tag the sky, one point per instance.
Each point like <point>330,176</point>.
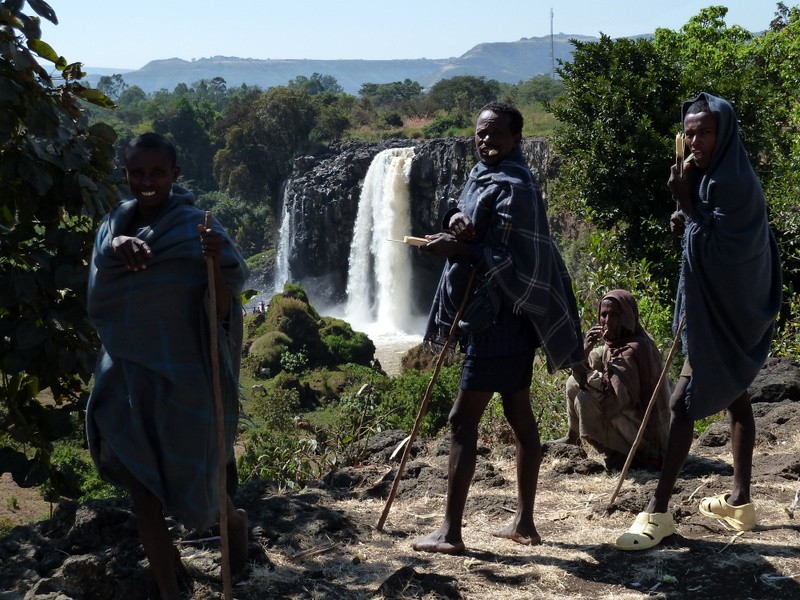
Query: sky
<point>127,35</point>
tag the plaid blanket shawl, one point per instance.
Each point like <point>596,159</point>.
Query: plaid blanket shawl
<point>152,403</point>
<point>730,284</point>
<point>519,260</point>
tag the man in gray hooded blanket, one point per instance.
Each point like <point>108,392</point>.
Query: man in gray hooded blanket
<point>729,294</point>
<point>523,299</point>
<point>150,419</point>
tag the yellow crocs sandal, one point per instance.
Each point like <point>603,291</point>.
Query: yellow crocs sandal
<point>741,518</point>
<point>648,530</point>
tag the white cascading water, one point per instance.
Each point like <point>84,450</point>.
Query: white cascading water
<point>285,244</point>
<point>379,276</point>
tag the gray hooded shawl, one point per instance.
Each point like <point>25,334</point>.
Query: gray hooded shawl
<point>152,403</point>
<point>519,261</point>
<point>730,283</point>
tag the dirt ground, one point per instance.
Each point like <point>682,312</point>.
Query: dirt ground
<point>322,542</point>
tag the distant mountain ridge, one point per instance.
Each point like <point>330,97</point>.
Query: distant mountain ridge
<point>507,62</point>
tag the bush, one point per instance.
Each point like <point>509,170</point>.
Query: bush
<point>301,323</point>
<point>294,362</point>
<point>75,476</point>
<point>406,392</point>
<point>387,120</point>
<point>266,351</point>
<point>277,407</point>
<point>277,456</point>
<point>446,126</point>
<point>345,345</point>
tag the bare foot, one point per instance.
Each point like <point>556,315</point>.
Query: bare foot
<point>438,542</point>
<point>239,545</point>
<point>527,536</point>
<point>571,438</point>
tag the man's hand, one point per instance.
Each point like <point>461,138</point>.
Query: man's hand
<point>592,337</point>
<point>677,223</point>
<point>678,184</point>
<point>211,242</point>
<point>461,227</point>
<point>133,251</point>
<point>580,373</point>
<point>443,245</point>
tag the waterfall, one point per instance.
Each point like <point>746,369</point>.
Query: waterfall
<point>285,243</point>
<point>379,276</point>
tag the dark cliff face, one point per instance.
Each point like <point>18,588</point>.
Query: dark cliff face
<point>324,192</point>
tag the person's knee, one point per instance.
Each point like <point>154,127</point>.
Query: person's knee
<point>462,424</point>
<point>741,409</point>
<point>572,388</point>
<point>677,402</point>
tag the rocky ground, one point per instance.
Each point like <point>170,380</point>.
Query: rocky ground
<point>322,541</point>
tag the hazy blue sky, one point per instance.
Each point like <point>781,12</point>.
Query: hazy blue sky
<point>112,33</point>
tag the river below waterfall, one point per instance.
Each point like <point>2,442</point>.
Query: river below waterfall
<point>390,348</point>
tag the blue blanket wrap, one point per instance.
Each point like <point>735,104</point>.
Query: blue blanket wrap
<point>152,403</point>
<point>730,283</point>
<point>519,262</point>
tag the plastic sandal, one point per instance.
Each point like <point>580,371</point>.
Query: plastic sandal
<point>741,518</point>
<point>648,530</point>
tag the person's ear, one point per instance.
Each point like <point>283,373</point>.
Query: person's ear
<point>176,171</point>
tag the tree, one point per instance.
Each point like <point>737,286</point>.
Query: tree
<point>185,128</point>
<point>391,95</point>
<point>54,184</point>
<point>112,85</point>
<point>619,116</point>
<point>316,84</point>
<point>263,134</point>
<point>541,89</point>
<point>464,94</point>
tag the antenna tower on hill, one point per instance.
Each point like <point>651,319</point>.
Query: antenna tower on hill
<point>552,48</point>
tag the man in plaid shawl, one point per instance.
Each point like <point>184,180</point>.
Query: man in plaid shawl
<point>523,299</point>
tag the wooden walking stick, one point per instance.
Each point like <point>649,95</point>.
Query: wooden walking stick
<point>424,405</point>
<point>222,458</point>
<point>646,417</point>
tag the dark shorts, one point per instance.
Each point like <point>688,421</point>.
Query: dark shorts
<point>503,374</point>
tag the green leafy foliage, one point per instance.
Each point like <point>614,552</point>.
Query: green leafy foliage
<point>404,397</point>
<point>621,110</point>
<point>54,183</point>
<point>75,476</point>
<point>280,457</point>
<point>344,344</point>
<point>462,95</point>
<point>618,121</point>
<point>292,336</point>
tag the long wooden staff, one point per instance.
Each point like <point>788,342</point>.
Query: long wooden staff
<point>222,457</point>
<point>425,401</point>
<point>646,416</point>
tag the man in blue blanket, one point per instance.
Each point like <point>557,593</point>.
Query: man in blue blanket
<point>522,299</point>
<point>150,419</point>
<point>729,294</point>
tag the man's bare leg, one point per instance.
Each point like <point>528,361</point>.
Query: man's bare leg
<point>743,436</point>
<point>156,540</point>
<point>517,407</point>
<point>573,436</point>
<point>237,538</point>
<point>464,419</point>
<point>679,442</point>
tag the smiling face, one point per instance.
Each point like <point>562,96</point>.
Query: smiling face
<point>493,137</point>
<point>701,136</point>
<point>150,173</point>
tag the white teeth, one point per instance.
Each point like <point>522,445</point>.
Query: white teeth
<point>493,152</point>
<point>148,194</point>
